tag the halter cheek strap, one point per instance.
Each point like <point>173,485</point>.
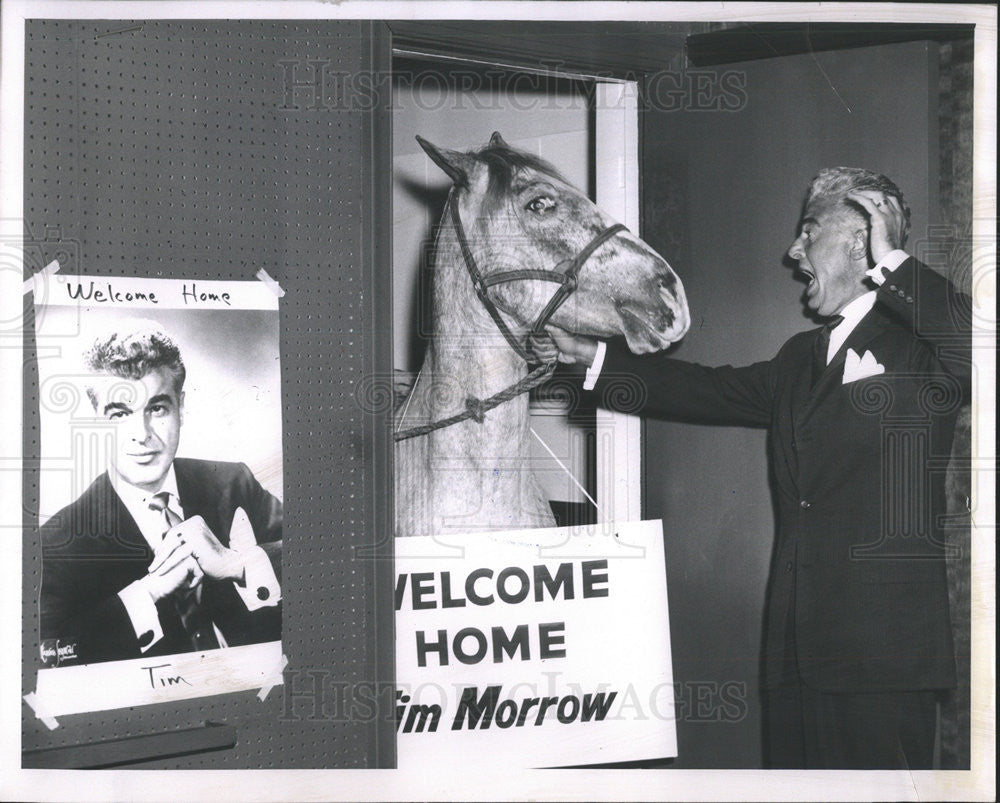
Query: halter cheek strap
<point>566,279</point>
<point>570,278</point>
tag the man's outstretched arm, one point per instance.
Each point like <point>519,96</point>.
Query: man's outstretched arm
<point>663,387</point>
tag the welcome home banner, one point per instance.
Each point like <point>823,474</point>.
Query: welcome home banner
<point>535,648</point>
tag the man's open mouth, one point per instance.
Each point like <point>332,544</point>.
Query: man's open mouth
<point>811,283</point>
<point>143,457</point>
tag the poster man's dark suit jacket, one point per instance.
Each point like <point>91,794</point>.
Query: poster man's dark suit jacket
<point>93,548</point>
<point>858,472</point>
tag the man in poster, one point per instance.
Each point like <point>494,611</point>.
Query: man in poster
<point>858,635</point>
<point>160,555</point>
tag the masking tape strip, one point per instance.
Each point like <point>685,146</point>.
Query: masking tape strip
<point>271,283</point>
<point>273,679</point>
<point>34,279</point>
<point>40,711</point>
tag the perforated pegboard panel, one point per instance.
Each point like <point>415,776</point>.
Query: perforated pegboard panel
<point>179,150</point>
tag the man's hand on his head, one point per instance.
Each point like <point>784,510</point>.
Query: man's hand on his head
<point>215,560</point>
<point>887,221</point>
<point>572,348</point>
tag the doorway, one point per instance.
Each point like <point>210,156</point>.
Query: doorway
<point>588,462</point>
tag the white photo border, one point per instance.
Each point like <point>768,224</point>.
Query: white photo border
<point>976,784</point>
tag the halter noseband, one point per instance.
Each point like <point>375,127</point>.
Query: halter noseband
<point>567,280</point>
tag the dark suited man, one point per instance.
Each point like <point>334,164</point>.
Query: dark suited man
<point>857,635</point>
<point>160,555</point>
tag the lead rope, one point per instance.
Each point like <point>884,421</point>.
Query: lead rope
<point>476,409</point>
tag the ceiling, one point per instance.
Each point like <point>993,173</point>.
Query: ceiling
<point>626,50</point>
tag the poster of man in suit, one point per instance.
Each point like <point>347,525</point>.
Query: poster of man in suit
<point>161,513</point>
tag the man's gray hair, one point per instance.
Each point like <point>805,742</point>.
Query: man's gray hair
<point>833,184</point>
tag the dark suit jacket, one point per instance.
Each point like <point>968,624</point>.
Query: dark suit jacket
<point>858,474</point>
<point>93,548</point>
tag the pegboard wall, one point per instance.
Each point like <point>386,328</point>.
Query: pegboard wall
<point>185,150</point>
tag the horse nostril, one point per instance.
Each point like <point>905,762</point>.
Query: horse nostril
<point>660,321</point>
<point>667,282</point>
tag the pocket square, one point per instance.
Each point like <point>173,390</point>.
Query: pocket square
<point>241,537</point>
<point>856,367</point>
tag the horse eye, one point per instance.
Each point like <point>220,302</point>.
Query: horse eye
<point>541,205</point>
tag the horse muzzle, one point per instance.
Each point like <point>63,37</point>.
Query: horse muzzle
<point>654,328</point>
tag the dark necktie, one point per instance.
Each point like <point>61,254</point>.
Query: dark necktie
<point>196,621</point>
<point>821,346</point>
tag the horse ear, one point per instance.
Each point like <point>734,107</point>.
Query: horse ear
<point>496,141</point>
<point>455,164</point>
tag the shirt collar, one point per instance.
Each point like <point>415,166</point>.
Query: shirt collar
<point>134,497</point>
<point>854,311</point>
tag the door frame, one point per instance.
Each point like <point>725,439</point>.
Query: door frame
<point>617,72</point>
<point>618,442</point>
<point>619,436</point>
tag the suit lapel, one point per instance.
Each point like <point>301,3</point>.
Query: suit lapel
<point>870,327</point>
<point>124,528</point>
<point>200,497</point>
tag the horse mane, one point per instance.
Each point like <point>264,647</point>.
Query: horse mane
<point>503,164</point>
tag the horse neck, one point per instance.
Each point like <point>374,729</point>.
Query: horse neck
<point>467,354</point>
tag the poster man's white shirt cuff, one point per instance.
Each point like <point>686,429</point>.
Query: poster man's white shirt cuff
<point>142,611</point>
<point>594,371</point>
<point>889,262</point>
<point>261,589</point>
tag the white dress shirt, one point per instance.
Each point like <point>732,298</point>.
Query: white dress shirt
<point>594,371</point>
<point>861,306</point>
<point>852,313</point>
<point>139,605</point>
<point>889,262</point>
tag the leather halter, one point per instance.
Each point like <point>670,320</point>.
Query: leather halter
<point>566,279</point>
<point>476,409</point>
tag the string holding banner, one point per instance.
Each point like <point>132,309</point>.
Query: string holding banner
<point>569,473</point>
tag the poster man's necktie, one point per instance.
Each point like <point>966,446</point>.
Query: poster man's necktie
<point>822,346</point>
<point>196,622</point>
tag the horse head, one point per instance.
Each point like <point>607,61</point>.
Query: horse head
<point>526,228</point>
